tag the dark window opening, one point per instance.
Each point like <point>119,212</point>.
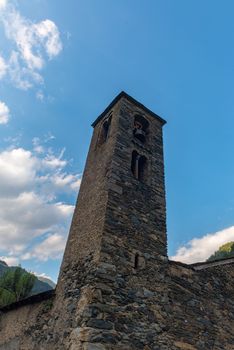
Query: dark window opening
<point>105,131</point>
<point>142,168</point>
<point>140,129</point>
<point>134,166</point>
<point>139,166</point>
<point>136,261</point>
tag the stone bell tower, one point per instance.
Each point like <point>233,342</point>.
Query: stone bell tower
<point>117,246</point>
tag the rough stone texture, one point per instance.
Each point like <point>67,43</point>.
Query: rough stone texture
<point>104,299</point>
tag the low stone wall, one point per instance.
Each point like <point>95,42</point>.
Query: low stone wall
<point>201,306</point>
<point>24,325</point>
<point>206,265</point>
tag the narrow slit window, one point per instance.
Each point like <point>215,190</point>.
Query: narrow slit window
<point>136,261</point>
<point>139,166</point>
<point>106,126</point>
<point>105,131</point>
<point>134,165</point>
<point>142,169</point>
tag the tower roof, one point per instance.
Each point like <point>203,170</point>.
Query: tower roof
<point>132,100</point>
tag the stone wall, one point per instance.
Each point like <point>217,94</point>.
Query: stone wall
<point>201,306</point>
<point>188,310</point>
<point>25,325</point>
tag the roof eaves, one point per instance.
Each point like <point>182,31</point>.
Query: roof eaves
<point>30,300</point>
<point>132,100</point>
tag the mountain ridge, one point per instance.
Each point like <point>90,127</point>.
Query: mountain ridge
<point>41,284</point>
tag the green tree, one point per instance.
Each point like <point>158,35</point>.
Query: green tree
<point>24,285</point>
<point>15,284</point>
<point>224,252</point>
<point>6,297</point>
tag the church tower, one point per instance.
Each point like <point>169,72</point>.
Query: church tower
<point>117,247</point>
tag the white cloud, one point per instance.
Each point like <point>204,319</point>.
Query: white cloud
<point>43,275</point>
<point>3,67</point>
<point>11,261</point>
<point>33,221</point>
<point>54,162</point>
<point>4,113</point>
<point>71,180</point>
<point>200,249</point>
<point>48,34</point>
<point>17,171</point>
<point>3,4</point>
<point>21,76</point>
<point>51,248</point>
<point>40,96</point>
<point>32,45</point>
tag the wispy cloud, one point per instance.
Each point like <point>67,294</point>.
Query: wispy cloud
<point>33,220</point>
<point>33,44</point>
<point>40,95</point>
<point>4,113</point>
<point>3,4</point>
<point>51,248</point>
<point>3,67</point>
<point>11,261</point>
<point>199,249</point>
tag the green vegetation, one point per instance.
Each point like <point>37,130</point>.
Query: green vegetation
<point>15,284</point>
<point>224,252</point>
<point>48,304</point>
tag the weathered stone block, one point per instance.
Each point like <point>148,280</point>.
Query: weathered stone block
<point>90,346</point>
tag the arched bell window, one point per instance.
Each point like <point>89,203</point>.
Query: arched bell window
<point>139,166</point>
<point>105,131</point>
<point>140,129</point>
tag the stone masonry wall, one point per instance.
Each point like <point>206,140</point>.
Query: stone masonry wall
<point>28,326</point>
<point>195,313</point>
<point>201,307</point>
<point>81,257</point>
<point>135,224</point>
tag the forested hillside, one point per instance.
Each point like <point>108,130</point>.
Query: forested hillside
<point>16,284</point>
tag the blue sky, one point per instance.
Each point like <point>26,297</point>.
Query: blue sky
<point>61,63</point>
